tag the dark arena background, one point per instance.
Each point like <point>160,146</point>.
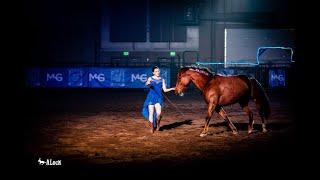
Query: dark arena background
<point>82,85</point>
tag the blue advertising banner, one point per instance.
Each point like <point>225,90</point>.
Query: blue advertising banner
<point>54,77</point>
<point>98,77</point>
<point>277,78</point>
<point>92,77</point>
<point>76,77</point>
<point>33,76</point>
<point>136,77</point>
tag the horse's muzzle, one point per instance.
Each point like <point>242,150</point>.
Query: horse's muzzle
<point>179,92</point>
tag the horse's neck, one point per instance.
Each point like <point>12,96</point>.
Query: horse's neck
<point>200,81</point>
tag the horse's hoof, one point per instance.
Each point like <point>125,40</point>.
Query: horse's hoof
<point>250,131</point>
<point>235,132</point>
<point>203,134</point>
<point>158,128</point>
<point>264,130</point>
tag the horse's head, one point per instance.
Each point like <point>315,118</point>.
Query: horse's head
<point>198,75</point>
<point>183,80</point>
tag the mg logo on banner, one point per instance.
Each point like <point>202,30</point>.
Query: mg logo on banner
<point>54,77</point>
<point>137,77</point>
<point>141,77</point>
<point>277,78</point>
<point>97,76</point>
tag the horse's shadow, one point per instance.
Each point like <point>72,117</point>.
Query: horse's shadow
<point>258,127</point>
<point>175,124</point>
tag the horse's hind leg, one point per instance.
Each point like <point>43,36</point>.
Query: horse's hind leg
<point>250,114</point>
<point>224,115</point>
<point>244,105</point>
<point>264,128</point>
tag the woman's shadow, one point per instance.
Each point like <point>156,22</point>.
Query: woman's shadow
<point>175,124</point>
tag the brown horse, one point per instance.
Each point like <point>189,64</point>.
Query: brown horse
<point>221,91</point>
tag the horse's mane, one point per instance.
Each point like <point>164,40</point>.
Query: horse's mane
<point>199,68</point>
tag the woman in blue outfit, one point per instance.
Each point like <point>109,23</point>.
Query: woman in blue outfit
<point>154,101</point>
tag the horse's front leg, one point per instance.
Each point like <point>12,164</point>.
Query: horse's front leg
<point>211,107</point>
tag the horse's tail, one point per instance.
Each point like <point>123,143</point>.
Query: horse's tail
<point>261,99</point>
